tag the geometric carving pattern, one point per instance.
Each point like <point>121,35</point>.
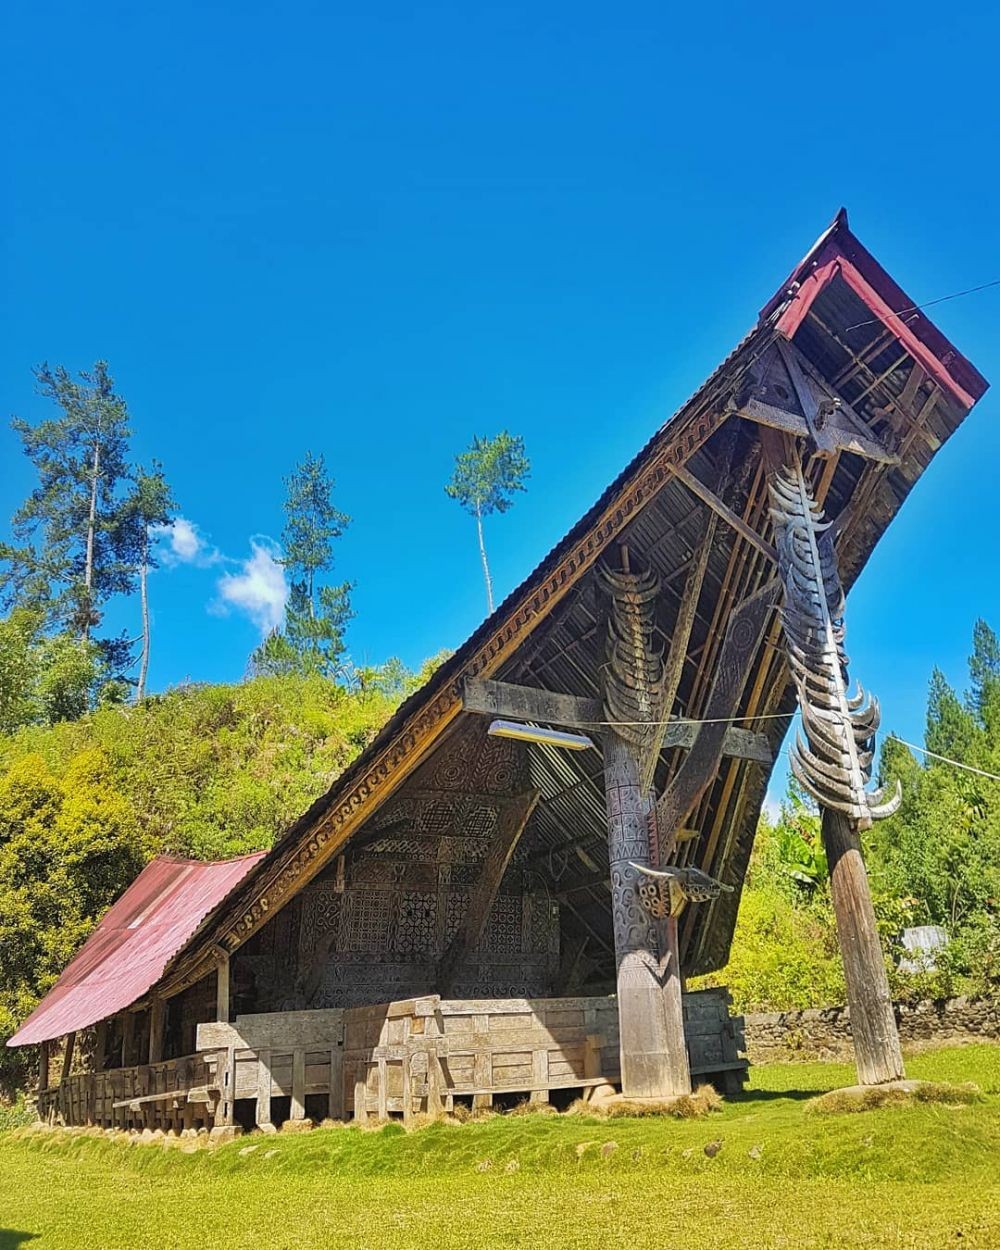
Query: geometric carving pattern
<point>416,926</point>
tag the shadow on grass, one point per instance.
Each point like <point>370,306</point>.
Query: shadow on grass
<point>11,1239</point>
<point>764,1095</point>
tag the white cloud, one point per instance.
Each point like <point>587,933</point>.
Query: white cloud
<point>185,544</point>
<point>259,589</point>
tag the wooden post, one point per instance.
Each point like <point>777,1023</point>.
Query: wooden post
<point>263,1113</point>
<point>157,1024</point>
<point>877,1051</point>
<point>335,1106</point>
<point>298,1107</point>
<point>101,1046</point>
<point>222,991</point>
<point>43,1065</point>
<point>654,1060</point>
<point>128,1036</point>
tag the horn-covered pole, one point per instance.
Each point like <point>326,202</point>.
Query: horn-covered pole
<point>834,760</point>
<point>654,1061</point>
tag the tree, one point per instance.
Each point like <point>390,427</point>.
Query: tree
<point>67,558</point>
<point>44,679</point>
<point>316,615</point>
<point>148,506</point>
<point>486,477</point>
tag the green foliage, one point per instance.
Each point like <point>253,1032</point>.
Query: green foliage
<point>784,954</point>
<point>936,861</point>
<point>70,550</point>
<point>205,771</point>
<point>44,679</point>
<point>316,616</point>
<point>486,478</point>
<point>489,473</point>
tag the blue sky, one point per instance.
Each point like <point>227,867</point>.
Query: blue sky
<point>373,231</point>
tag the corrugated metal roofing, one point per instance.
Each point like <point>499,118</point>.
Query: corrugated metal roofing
<point>128,951</point>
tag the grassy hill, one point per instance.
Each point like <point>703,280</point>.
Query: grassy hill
<point>923,1177</point>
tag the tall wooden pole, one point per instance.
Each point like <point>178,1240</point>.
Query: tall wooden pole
<point>222,1000</point>
<point>877,1051</point>
<point>654,1061</point>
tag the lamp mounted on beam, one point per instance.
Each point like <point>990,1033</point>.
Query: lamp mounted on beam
<point>534,733</point>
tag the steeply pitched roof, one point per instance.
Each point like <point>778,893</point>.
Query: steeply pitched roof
<point>128,951</point>
<point>837,279</point>
<point>839,306</point>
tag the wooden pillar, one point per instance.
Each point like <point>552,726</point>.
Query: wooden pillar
<point>263,1113</point>
<point>877,1051</point>
<point>654,1060</point>
<point>128,1036</point>
<point>101,1046</point>
<point>222,991</point>
<point>44,1051</point>
<point>157,1024</point>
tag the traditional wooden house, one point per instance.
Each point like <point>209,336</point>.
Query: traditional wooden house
<point>469,912</point>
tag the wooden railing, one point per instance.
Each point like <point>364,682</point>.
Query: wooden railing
<point>175,1093</point>
<point>415,1055</point>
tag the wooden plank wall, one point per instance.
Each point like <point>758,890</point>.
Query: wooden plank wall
<point>414,1056</point>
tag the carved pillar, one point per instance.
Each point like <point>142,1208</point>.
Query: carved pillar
<point>654,1061</point>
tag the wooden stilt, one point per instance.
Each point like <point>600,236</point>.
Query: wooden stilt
<point>43,1066</point>
<point>157,1024</point>
<point>873,1023</point>
<point>222,1005</point>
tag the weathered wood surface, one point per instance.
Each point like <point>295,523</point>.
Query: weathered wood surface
<point>416,1055</point>
<point>502,698</point>
<point>514,818</point>
<point>707,496</point>
<point>701,764</point>
<point>654,1060</point>
<point>873,1022</point>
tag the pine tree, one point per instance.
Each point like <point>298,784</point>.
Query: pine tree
<point>316,615</point>
<point>67,559</point>
<point>486,477</point>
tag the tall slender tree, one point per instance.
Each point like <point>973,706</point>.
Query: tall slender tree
<point>149,505</point>
<point>487,476</point>
<point>316,614</point>
<point>67,558</point>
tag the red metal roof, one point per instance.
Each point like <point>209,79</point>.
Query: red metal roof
<point>128,951</point>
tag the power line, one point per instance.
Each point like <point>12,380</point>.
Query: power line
<point>944,759</point>
<point>941,299</point>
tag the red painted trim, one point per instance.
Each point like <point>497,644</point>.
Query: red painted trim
<point>831,263</point>
<point>802,300</point>
<point>937,369</point>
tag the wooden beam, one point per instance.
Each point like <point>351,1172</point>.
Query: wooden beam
<point>502,698</point>
<point>513,819</point>
<point>844,439</point>
<point>701,764</point>
<point>527,703</point>
<point>728,515</point>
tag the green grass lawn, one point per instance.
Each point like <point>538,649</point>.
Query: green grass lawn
<point>923,1177</point>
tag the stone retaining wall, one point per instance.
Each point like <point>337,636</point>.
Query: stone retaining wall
<point>825,1033</point>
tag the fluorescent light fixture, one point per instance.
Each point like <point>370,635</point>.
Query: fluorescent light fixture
<point>532,733</point>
